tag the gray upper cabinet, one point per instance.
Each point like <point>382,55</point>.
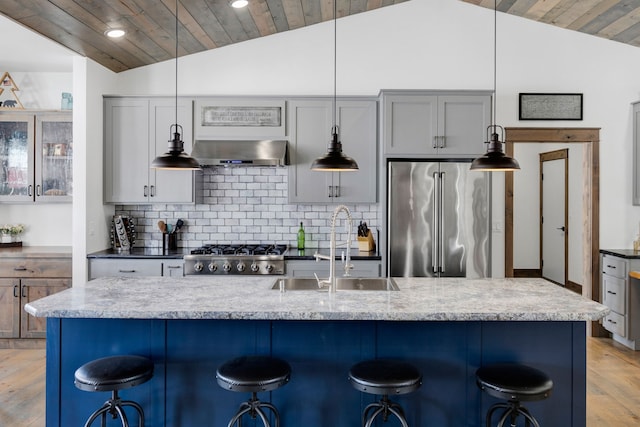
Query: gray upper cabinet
<point>136,130</point>
<point>310,121</point>
<point>636,153</point>
<point>434,124</point>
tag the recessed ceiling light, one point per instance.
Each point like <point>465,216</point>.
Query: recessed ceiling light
<point>115,33</point>
<point>238,3</point>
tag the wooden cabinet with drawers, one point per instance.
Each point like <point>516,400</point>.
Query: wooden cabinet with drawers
<point>23,280</point>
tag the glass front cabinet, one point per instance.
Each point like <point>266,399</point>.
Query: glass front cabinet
<point>36,156</point>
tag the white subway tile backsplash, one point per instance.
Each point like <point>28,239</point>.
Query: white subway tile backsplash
<point>245,205</point>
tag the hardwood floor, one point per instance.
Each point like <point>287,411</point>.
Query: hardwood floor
<point>613,386</point>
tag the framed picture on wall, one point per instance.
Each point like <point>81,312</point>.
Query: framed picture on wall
<point>550,106</point>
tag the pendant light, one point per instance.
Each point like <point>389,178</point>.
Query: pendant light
<point>175,158</point>
<point>495,160</point>
<point>334,160</point>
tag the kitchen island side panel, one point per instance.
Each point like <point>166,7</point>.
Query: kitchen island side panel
<point>186,353</point>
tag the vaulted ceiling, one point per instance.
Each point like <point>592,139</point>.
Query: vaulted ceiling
<point>208,24</point>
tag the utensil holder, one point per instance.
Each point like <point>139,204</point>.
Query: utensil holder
<point>366,244</point>
<point>169,242</point>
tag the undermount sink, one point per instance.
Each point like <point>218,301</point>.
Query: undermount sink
<point>342,284</point>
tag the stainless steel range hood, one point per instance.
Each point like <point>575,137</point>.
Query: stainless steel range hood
<point>266,152</point>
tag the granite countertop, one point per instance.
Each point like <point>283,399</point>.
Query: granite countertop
<point>36,252</point>
<point>251,298</point>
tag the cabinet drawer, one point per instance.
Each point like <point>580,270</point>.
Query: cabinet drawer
<point>35,267</point>
<point>615,323</point>
<point>613,293</point>
<point>124,268</point>
<point>614,266</point>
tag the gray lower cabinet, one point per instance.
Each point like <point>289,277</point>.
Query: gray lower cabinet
<point>137,130</point>
<point>622,296</point>
<point>310,122</point>
<point>423,123</point>
<point>122,267</point>
<point>302,268</point>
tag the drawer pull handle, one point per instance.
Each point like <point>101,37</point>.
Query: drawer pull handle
<point>611,321</point>
<point>174,266</point>
<point>126,271</point>
<point>15,291</point>
<point>20,269</point>
<point>611,266</point>
<point>612,293</point>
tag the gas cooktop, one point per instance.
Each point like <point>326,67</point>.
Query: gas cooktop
<point>240,249</point>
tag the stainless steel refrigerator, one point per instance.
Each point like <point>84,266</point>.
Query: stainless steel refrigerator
<point>438,220</point>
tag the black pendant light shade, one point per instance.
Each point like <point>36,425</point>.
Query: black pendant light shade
<point>495,160</point>
<point>334,160</point>
<point>175,158</point>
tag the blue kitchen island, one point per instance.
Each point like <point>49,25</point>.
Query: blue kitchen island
<point>189,326</point>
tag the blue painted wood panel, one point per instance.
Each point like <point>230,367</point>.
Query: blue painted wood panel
<point>186,354</point>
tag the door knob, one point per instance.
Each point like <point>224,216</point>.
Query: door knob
<point>560,228</point>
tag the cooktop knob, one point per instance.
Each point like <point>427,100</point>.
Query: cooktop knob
<point>269,268</point>
<point>198,266</point>
<point>241,266</point>
<point>255,267</point>
<point>226,267</point>
<point>213,267</point>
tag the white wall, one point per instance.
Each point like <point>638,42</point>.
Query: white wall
<point>440,44</point>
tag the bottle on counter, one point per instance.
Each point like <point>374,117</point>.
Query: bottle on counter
<point>301,237</point>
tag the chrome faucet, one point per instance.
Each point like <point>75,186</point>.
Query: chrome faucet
<point>331,281</point>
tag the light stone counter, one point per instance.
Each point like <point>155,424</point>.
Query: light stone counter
<point>251,298</point>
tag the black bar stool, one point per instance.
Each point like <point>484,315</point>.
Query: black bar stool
<point>384,377</point>
<point>254,374</point>
<point>514,383</point>
<point>114,373</point>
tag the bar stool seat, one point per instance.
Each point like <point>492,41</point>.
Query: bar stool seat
<point>514,383</point>
<point>254,374</point>
<point>384,377</point>
<point>114,373</point>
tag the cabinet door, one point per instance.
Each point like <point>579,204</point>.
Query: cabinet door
<point>173,268</point>
<point>357,121</point>
<point>308,268</point>
<point>410,124</point>
<point>54,149</point>
<point>9,308</point>
<point>126,144</point>
<point>167,186</point>
<point>33,289</point>
<point>16,157</point>
<point>636,154</point>
<point>311,122</point>
<point>462,124</point>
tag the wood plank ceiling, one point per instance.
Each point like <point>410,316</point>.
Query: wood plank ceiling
<point>617,20</point>
<point>208,24</point>
<point>151,24</point>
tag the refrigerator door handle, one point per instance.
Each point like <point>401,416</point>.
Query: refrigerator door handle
<point>435,253</point>
<point>441,223</point>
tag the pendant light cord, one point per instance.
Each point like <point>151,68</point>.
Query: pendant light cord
<point>176,64</point>
<point>335,63</point>
<point>495,56</point>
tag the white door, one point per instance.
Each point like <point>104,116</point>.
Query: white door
<point>553,206</point>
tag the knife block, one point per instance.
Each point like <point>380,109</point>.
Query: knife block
<point>366,244</point>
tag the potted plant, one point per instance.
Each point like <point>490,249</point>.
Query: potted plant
<point>9,232</point>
